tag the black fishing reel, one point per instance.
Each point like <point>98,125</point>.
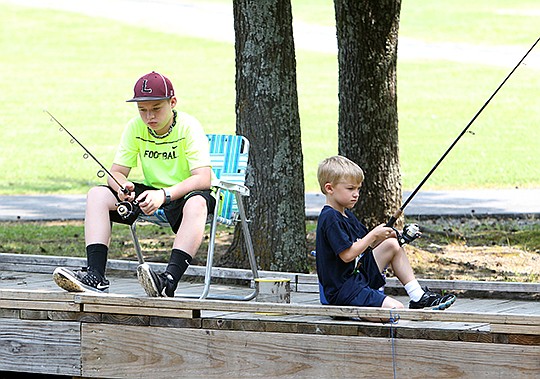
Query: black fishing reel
<point>409,234</point>
<point>128,209</point>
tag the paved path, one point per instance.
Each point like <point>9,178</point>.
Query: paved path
<point>426,203</point>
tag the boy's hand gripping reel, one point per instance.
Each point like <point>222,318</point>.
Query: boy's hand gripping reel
<point>409,234</point>
<point>127,209</point>
<point>410,231</point>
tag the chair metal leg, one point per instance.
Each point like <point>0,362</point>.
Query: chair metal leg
<point>210,258</point>
<point>138,250</point>
<point>251,257</point>
<point>211,249</point>
<point>211,246</point>
<point>248,243</point>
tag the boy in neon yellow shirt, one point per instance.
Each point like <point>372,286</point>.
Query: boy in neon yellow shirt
<point>174,154</point>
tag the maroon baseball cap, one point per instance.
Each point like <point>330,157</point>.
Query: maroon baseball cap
<point>151,87</point>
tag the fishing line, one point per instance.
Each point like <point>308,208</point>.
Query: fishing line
<point>101,173</point>
<point>398,213</point>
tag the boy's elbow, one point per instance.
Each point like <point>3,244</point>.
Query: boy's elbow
<point>346,256</point>
<point>207,182</point>
<point>203,178</point>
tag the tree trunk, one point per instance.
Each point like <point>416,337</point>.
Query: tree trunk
<point>367,34</point>
<point>267,114</point>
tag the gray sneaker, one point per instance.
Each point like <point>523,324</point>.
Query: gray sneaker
<point>155,285</point>
<point>433,301</point>
<point>81,280</point>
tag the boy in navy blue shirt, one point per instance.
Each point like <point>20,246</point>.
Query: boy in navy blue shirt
<point>350,258</point>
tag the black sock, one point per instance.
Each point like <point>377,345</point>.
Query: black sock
<point>178,264</point>
<point>96,255</point>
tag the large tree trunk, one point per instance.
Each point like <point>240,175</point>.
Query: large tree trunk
<point>267,114</point>
<point>367,34</point>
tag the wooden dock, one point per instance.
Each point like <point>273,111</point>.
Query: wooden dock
<point>125,334</point>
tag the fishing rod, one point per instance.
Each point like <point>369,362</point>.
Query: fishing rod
<point>398,213</point>
<point>101,173</point>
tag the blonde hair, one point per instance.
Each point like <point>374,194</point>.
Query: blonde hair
<point>334,169</point>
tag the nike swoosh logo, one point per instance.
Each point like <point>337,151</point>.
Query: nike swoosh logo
<point>102,286</point>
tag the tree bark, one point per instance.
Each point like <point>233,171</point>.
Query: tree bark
<point>267,114</point>
<point>367,34</point>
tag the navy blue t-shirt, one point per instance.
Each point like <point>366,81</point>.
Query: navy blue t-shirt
<point>336,233</point>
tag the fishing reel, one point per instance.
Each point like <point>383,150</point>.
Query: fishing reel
<point>128,209</point>
<point>409,234</point>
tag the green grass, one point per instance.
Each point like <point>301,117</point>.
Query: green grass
<point>34,238</point>
<point>67,239</point>
<point>491,22</point>
<point>499,150</point>
<point>434,255</point>
<point>82,69</point>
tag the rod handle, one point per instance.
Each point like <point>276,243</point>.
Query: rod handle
<point>394,218</point>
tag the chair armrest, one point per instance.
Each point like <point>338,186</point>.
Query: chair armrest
<point>229,186</point>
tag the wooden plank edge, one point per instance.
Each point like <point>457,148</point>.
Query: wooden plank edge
<point>60,297</point>
<point>43,295</point>
<point>309,309</point>
<point>305,280</point>
<point>516,329</point>
<point>141,311</point>
<point>40,305</point>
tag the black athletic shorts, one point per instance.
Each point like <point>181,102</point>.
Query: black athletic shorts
<point>173,210</point>
<point>372,295</point>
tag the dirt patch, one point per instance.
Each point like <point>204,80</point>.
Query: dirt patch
<point>490,249</point>
<point>462,262</point>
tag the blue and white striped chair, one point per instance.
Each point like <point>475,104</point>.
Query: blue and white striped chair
<point>229,158</point>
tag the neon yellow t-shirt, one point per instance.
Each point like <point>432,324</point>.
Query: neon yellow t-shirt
<point>167,161</point>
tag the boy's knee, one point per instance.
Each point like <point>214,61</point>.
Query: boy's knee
<point>390,244</point>
<point>195,204</point>
<point>98,192</point>
<point>392,303</point>
<point>94,190</point>
<point>394,244</point>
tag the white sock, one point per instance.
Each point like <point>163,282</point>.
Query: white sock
<point>414,290</point>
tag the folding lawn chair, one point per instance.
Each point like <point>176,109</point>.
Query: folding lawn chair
<point>229,157</point>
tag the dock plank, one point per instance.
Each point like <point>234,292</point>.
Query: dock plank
<point>320,310</point>
<point>141,311</point>
<point>516,329</point>
<point>40,347</point>
<point>484,313</point>
<point>481,338</point>
<point>242,354</point>
<point>40,305</point>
